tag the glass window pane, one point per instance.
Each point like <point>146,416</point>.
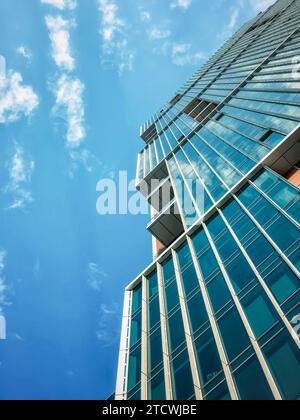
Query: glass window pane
<point>229,323</point>
<point>182,377</point>
<point>218,292</point>
<point>208,357</point>
<point>282,282</point>
<point>152,285</point>
<point>251,382</point>
<point>136,299</point>
<point>157,388</point>
<point>284,360</point>
<point>219,394</point>
<point>155,354</point>
<point>136,329</point>
<point>176,331</point>
<point>197,312</point>
<point>259,311</point>
<point>134,371</point>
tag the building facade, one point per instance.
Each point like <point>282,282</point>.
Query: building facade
<point>216,316</point>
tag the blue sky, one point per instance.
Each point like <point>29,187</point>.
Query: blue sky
<point>81,76</point>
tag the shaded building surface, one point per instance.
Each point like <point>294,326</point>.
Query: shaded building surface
<point>216,315</point>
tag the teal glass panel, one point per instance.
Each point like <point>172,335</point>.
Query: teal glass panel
<point>154,313</point>
<point>259,311</point>
<point>209,362</point>
<point>172,297</point>
<point>182,377</point>
<point>136,299</point>
<point>218,292</point>
<point>152,285</point>
<point>227,324</point>
<point>136,329</point>
<point>283,357</point>
<point>251,382</point>
<point>221,393</point>
<point>155,354</point>
<point>190,280</point>
<point>197,312</point>
<point>176,331</point>
<point>157,388</point>
<point>168,271</point>
<point>240,272</point>
<point>282,282</point>
<point>134,371</point>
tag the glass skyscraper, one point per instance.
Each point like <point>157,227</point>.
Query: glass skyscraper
<point>216,316</point>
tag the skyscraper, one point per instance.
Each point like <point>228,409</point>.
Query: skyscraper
<point>216,316</point>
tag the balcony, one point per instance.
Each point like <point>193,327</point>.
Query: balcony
<point>166,225</point>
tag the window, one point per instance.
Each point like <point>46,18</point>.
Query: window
<point>176,331</point>
<point>259,311</point>
<point>218,292</point>
<point>155,355</point>
<point>197,312</point>
<point>230,322</point>
<point>282,282</point>
<point>283,357</point>
<point>134,373</point>
<point>152,285</point>
<point>136,329</point>
<point>251,382</point>
<point>183,385</point>
<point>157,388</point>
<point>208,358</point>
<point>136,299</point>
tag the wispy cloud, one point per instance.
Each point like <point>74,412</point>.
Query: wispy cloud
<point>158,34</point>
<point>114,31</point>
<point>182,4</point>
<point>61,4</point>
<point>182,55</point>
<point>145,16</point>
<point>68,88</point>
<point>96,276</point>
<point>261,5</point>
<point>70,107</point>
<point>85,159</point>
<point>25,52</point>
<point>60,40</point>
<point>20,171</point>
<point>16,99</point>
<point>109,323</point>
<point>3,285</point>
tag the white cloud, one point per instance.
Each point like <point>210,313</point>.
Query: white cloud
<point>61,4</point>
<point>115,37</point>
<point>182,55</point>
<point>157,34</point>
<point>109,324</point>
<point>261,5</point>
<point>96,276</point>
<point>145,16</point>
<point>182,4</point>
<point>20,171</point>
<point>16,99</point>
<point>25,52</point>
<point>60,40</point>
<point>3,285</point>
<point>69,106</point>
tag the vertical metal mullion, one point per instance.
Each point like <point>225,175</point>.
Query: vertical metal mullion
<point>144,344</point>
<point>187,329</point>
<point>164,335</point>
<point>244,319</point>
<point>213,324</point>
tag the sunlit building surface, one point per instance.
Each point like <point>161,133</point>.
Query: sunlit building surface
<point>216,316</point>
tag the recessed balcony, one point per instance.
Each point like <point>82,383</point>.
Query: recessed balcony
<point>166,225</point>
